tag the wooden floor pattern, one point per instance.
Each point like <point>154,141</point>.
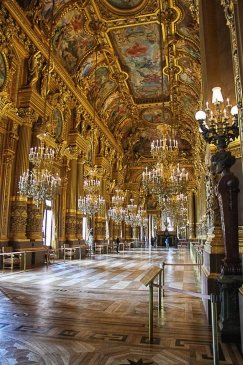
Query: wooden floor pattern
<point>95,312</point>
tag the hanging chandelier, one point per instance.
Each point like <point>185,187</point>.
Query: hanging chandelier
<point>91,183</point>
<point>118,199</point>
<point>131,218</point>
<point>142,218</point>
<point>152,180</point>
<point>117,212</point>
<point>41,155</point>
<point>40,183</point>
<point>91,204</point>
<point>179,179</point>
<point>165,150</point>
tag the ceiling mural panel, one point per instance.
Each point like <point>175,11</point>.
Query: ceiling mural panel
<point>125,4</point>
<point>117,114</point>
<point>71,40</point>
<point>188,27</point>
<point>140,56</point>
<point>47,8</point>
<point>156,115</point>
<point>100,87</point>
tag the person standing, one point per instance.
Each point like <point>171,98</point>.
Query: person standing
<point>117,245</point>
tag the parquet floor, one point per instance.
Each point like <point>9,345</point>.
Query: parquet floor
<point>95,312</point>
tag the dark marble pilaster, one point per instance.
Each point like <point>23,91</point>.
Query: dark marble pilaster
<point>229,322</point>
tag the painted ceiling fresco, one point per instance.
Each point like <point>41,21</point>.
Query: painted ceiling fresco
<point>124,4</point>
<point>71,41</point>
<point>139,51</point>
<point>146,71</point>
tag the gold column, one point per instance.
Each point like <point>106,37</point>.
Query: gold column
<point>18,221</point>
<point>5,193</point>
<point>5,184</point>
<point>191,215</point>
<point>128,232</point>
<point>62,203</point>
<point>80,180</point>
<point>116,230</point>
<point>99,228</point>
<point>34,222</point>
<point>71,203</point>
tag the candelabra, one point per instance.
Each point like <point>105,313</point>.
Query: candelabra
<point>219,127</point>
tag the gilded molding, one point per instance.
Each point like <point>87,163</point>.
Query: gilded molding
<point>62,75</point>
<point>229,9</point>
<point>6,105</point>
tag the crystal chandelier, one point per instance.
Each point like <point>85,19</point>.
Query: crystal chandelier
<point>41,155</point>
<point>117,212</point>
<point>142,218</point>
<point>91,203</point>
<point>152,180</point>
<point>163,201</point>
<point>131,218</point>
<point>92,184</point>
<point>118,199</point>
<point>40,183</point>
<point>165,150</point>
<point>135,217</point>
<point>179,179</point>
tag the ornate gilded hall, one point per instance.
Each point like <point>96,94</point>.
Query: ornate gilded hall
<point>123,119</point>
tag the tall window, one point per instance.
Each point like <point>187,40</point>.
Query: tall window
<point>47,226</point>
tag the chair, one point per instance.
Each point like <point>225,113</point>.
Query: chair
<point>69,253</point>
<point>11,260</point>
<point>51,255</point>
<point>98,248</point>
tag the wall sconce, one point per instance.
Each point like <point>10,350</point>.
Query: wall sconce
<point>218,126</point>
